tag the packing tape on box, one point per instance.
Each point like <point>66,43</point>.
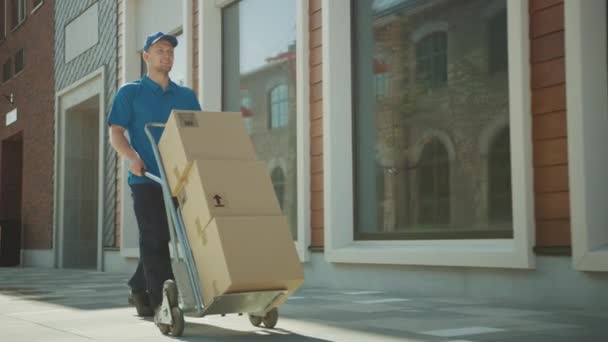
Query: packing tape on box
<point>182,197</point>
<point>201,233</point>
<point>177,173</point>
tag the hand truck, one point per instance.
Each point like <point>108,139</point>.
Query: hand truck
<point>184,295</point>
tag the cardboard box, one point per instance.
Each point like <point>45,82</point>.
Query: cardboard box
<point>215,188</point>
<point>191,135</point>
<point>243,254</point>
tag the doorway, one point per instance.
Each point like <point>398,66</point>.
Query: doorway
<point>80,185</point>
<point>10,200</point>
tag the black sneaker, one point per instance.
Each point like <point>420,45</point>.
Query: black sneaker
<point>139,299</point>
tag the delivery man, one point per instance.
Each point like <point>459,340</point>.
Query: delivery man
<point>150,99</point>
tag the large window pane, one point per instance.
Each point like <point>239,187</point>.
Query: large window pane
<point>2,20</point>
<point>259,80</point>
<point>432,150</point>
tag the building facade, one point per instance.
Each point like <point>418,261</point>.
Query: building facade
<point>26,131</point>
<point>434,139</point>
<point>85,82</point>
<point>435,148</point>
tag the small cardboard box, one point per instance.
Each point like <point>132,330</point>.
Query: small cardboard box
<point>227,188</point>
<point>191,135</point>
<point>245,254</point>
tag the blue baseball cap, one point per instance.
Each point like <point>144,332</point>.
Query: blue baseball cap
<point>153,38</point>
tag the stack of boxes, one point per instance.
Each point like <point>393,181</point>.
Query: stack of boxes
<point>240,240</point>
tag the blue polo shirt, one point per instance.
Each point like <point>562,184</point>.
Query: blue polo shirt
<point>144,101</point>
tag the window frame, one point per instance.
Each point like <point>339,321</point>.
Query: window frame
<point>587,105</point>
<point>22,11</point>
<point>210,92</point>
<point>340,246</point>
<point>21,14</point>
<point>36,4</point>
<point>425,167</point>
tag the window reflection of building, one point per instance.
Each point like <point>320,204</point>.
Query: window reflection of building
<point>431,59</point>
<point>497,42</point>
<point>499,187</point>
<point>433,171</point>
<point>448,70</point>
<point>279,106</point>
<point>259,79</point>
<point>269,109</point>
<point>247,113</point>
<point>278,181</point>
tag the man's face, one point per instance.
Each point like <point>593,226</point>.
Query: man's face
<point>159,56</point>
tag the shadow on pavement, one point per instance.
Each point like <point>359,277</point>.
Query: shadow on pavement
<point>195,331</point>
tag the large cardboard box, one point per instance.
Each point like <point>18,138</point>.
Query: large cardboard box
<point>191,135</point>
<point>243,254</point>
<point>227,188</point>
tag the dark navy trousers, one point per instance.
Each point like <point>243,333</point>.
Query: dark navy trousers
<point>154,265</point>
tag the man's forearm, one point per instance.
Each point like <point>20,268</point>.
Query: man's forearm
<point>122,146</point>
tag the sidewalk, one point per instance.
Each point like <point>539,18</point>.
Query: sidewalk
<point>75,305</point>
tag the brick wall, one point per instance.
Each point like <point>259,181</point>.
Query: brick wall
<point>549,123</point>
<point>195,27</point>
<point>33,90</point>
<point>316,124</point>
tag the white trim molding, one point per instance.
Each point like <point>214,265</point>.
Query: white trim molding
<point>210,93</point>
<point>210,55</point>
<point>340,246</point>
<point>587,108</point>
<point>303,124</point>
<point>187,32</point>
<point>85,88</point>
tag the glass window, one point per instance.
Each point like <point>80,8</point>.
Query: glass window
<point>381,82</point>
<point>2,19</point>
<point>259,61</point>
<point>278,181</point>
<point>17,12</point>
<point>431,59</point>
<point>19,61</point>
<point>420,171</point>
<point>7,71</point>
<point>499,172</point>
<point>21,10</point>
<point>497,45</point>
<point>247,112</point>
<point>433,172</point>
<point>178,72</point>
<point>279,106</point>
